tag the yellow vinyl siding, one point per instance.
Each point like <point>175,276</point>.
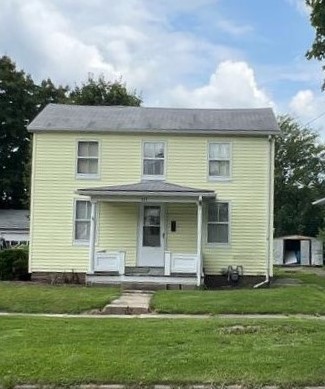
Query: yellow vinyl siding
<point>118,223</point>
<point>184,239</point>
<point>55,183</point>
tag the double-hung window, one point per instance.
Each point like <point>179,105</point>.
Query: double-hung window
<point>218,223</point>
<point>153,160</point>
<point>88,159</point>
<point>82,221</point>
<point>219,160</point>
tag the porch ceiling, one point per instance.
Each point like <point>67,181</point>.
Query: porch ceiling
<point>153,189</point>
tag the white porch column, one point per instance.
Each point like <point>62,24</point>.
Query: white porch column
<point>92,237</point>
<point>199,241</point>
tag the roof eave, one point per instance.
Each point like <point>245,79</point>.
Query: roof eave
<point>154,131</point>
<point>103,194</point>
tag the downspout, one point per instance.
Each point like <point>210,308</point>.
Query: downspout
<point>199,242</point>
<point>270,215</point>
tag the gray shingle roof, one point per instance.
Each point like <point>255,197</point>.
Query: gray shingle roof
<point>14,219</point>
<point>61,117</point>
<point>147,188</point>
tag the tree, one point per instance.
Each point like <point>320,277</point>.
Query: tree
<point>317,20</point>
<point>17,107</point>
<point>102,92</point>
<point>299,180</point>
<point>47,93</point>
<point>20,100</point>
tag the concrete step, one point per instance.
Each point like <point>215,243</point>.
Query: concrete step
<point>129,303</point>
<point>124,310</point>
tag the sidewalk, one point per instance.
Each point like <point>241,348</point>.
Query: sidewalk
<point>165,316</point>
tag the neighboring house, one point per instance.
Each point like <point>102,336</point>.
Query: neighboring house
<point>155,195</point>
<point>298,250</point>
<point>14,227</point>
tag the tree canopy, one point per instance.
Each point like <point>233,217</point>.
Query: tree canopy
<point>102,92</point>
<point>299,180</point>
<point>317,20</point>
<point>17,108</point>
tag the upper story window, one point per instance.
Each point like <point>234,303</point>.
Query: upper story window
<point>153,160</point>
<point>82,221</point>
<point>88,159</point>
<point>218,223</point>
<point>219,160</point>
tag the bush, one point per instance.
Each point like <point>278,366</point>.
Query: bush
<point>14,264</point>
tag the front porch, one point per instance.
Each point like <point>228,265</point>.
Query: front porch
<point>179,269</point>
<point>156,258</point>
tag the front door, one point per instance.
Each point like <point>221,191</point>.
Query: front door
<point>151,236</point>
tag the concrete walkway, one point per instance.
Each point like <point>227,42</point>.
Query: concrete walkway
<point>161,386</point>
<point>131,302</point>
<point>164,316</point>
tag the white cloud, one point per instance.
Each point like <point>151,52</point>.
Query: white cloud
<point>308,107</point>
<point>300,6</point>
<point>134,39</point>
<point>234,28</point>
<point>141,41</point>
<point>233,84</point>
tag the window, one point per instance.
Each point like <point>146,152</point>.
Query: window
<point>82,220</point>
<point>219,160</point>
<point>87,159</point>
<point>218,223</point>
<point>151,226</point>
<point>153,160</point>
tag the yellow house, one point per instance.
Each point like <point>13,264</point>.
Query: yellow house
<point>152,195</point>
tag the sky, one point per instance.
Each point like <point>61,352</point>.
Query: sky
<point>175,53</point>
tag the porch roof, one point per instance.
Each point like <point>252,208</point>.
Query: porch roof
<point>147,188</point>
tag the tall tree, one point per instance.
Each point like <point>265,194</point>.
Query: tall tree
<point>102,92</point>
<point>317,20</point>
<point>20,100</point>
<point>17,107</point>
<point>299,180</point>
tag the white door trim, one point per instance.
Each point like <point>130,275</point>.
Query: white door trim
<point>162,234</point>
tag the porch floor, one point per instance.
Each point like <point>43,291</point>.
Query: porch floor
<point>143,279</point>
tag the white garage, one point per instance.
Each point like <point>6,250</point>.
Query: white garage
<point>297,250</point>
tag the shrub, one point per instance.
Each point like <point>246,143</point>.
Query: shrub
<point>14,264</point>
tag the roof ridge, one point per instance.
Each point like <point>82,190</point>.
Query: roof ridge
<point>160,108</point>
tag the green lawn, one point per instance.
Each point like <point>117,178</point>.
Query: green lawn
<point>311,276</point>
<point>39,298</point>
<point>308,299</point>
<point>70,351</point>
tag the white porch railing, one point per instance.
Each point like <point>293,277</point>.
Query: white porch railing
<point>110,261</point>
<point>180,263</point>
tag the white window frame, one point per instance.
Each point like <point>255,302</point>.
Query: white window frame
<point>219,244</point>
<point>151,176</point>
<point>219,178</point>
<point>78,242</point>
<point>88,176</point>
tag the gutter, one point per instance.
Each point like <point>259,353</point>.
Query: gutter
<point>270,215</point>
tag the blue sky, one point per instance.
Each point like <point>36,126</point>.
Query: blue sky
<point>182,53</point>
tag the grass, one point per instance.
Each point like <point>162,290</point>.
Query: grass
<point>285,300</point>
<point>306,276</point>
<point>306,298</point>
<point>74,351</point>
<point>38,298</point>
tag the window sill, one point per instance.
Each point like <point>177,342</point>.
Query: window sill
<point>219,179</point>
<point>81,243</point>
<point>153,178</point>
<point>218,245</point>
<point>87,177</point>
